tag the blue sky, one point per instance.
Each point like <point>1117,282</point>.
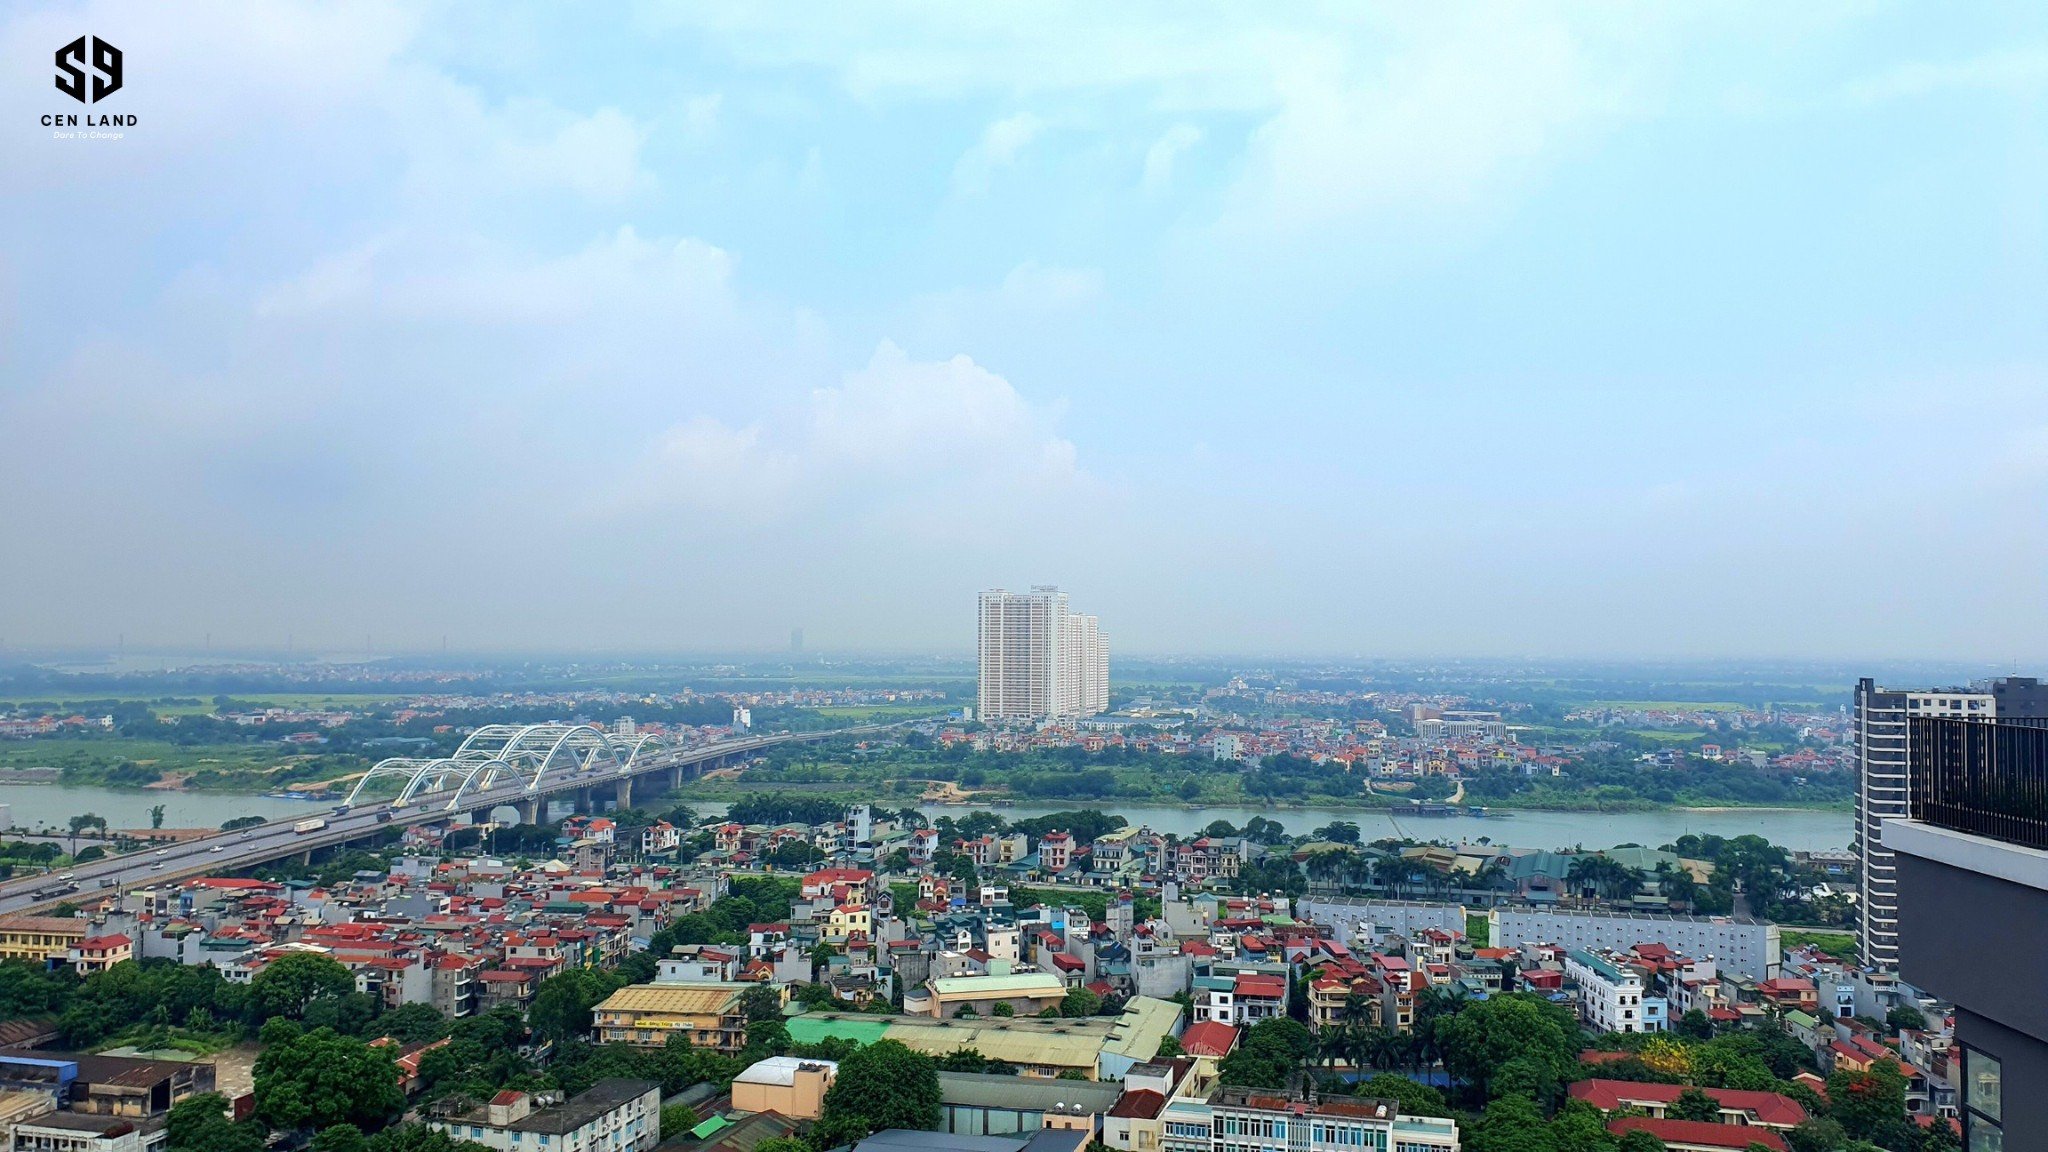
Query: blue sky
<point>1672,330</point>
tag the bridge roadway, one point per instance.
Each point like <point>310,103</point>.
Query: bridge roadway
<point>234,851</point>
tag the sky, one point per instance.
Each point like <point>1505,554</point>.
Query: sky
<point>1700,330</point>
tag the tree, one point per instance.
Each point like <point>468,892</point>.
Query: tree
<point>288,984</point>
<point>156,817</point>
<point>241,822</point>
<point>1080,1002</point>
<point>340,1138</point>
<point>1003,1008</point>
<point>761,1002</point>
<point>884,1085</point>
<point>420,1138</point>
<point>1693,1104</point>
<point>80,823</point>
<point>1640,1141</point>
<point>1416,1099</point>
<point>1510,1124</point>
<point>1865,1102</point>
<point>1905,1016</point>
<point>562,1004</point>
<point>1478,1039</point>
<point>200,1124</point>
<point>1270,1054</point>
<point>677,1119</point>
<point>321,1079</point>
<point>1169,1047</point>
<point>1694,1025</point>
<point>413,1024</point>
<point>1818,1134</point>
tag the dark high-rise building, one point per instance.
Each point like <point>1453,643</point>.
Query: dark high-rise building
<point>1884,779</point>
<point>1972,887</point>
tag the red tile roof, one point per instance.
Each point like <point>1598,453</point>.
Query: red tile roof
<point>1143,1104</point>
<point>1768,1107</point>
<point>1208,1038</point>
<point>1700,1133</point>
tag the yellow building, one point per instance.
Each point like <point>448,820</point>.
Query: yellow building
<point>847,921</point>
<point>648,1014</point>
<point>1027,994</point>
<point>786,1084</point>
<point>40,939</point>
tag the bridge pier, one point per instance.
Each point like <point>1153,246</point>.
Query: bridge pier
<point>585,802</point>
<point>624,795</point>
<point>529,810</point>
<point>675,777</point>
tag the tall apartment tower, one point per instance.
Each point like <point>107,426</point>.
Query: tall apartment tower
<point>1038,660</point>
<point>1884,783</point>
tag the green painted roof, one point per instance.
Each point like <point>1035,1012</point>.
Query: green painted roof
<point>715,1124</point>
<point>811,1029</point>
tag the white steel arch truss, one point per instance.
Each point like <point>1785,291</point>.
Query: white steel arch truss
<point>533,753</point>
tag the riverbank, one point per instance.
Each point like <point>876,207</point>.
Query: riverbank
<point>888,792</point>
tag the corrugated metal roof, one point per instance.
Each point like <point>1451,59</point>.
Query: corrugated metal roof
<point>1025,1093</point>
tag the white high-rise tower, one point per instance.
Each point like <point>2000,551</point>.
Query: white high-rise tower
<point>1038,660</point>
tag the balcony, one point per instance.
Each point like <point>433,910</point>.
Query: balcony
<point>1988,780</point>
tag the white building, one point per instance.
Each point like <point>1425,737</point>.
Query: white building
<point>1259,1120</point>
<point>1038,660</point>
<point>742,719</point>
<point>1882,791</point>
<point>612,1116</point>
<point>1748,948</point>
<point>1610,995</point>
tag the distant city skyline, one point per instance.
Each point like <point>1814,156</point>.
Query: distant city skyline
<point>1384,330</point>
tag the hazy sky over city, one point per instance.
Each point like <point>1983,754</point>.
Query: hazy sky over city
<point>1674,329</point>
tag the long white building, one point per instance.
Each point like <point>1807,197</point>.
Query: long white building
<point>1039,660</point>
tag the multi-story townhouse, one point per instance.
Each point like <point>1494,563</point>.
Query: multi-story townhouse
<point>1611,995</point>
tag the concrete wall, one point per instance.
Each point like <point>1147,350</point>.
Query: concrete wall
<point>1749,950</point>
<point>1975,939</point>
<point>1408,918</point>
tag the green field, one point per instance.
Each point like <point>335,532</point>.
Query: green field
<point>326,701</point>
<point>1840,944</point>
<point>859,712</point>
<point>254,767</point>
<point>1665,705</point>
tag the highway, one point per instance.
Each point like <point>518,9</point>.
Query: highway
<point>235,851</point>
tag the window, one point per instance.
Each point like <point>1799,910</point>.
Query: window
<point>1983,1101</point>
<point>1982,1083</point>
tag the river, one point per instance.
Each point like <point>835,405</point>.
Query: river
<point>33,805</point>
<point>53,805</point>
<point>1801,828</point>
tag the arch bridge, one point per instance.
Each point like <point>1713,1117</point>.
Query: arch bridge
<point>498,755</point>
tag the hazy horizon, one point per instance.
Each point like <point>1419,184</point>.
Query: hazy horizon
<point>1625,333</point>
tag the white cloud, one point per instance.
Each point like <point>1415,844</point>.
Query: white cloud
<point>2020,70</point>
<point>997,149</point>
<point>895,428</point>
<point>1160,156</point>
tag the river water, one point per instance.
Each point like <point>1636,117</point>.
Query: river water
<point>1794,828</point>
<point>37,805</point>
<point>32,805</point>
<point>1789,828</point>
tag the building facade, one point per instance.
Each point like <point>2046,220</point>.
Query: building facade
<point>611,1116</point>
<point>1038,660</point>
<point>1884,781</point>
<point>1972,861</point>
<point>1748,948</point>
<point>1258,1120</point>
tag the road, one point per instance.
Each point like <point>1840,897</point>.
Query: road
<point>234,851</point>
